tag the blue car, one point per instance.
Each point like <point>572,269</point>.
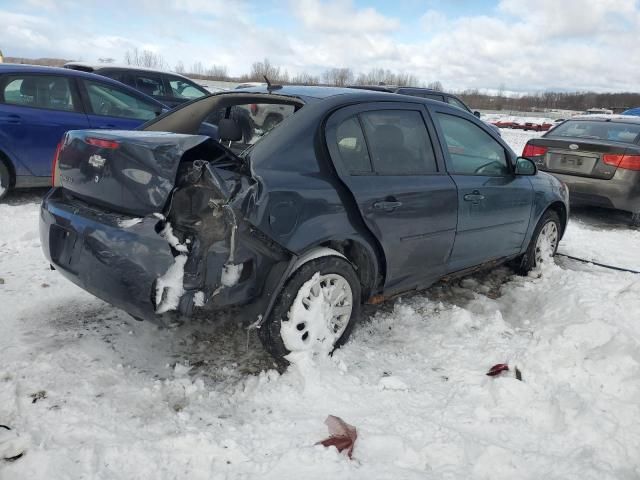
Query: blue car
<point>39,104</point>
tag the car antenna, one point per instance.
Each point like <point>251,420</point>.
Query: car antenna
<point>271,87</point>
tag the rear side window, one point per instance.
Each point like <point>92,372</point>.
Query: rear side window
<point>457,103</point>
<point>398,142</point>
<point>597,130</point>
<point>39,91</point>
<point>150,84</point>
<point>352,146</point>
<point>113,102</point>
<point>472,151</point>
<point>432,96</point>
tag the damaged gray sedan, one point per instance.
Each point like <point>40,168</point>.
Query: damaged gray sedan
<point>355,196</point>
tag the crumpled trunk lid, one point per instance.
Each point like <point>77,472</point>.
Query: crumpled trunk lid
<point>132,172</point>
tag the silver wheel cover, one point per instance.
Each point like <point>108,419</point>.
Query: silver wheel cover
<point>318,315</point>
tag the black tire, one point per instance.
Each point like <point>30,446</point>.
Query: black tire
<point>5,180</point>
<point>269,332</point>
<point>527,262</point>
<point>635,219</point>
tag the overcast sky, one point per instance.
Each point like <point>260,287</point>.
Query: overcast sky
<point>523,45</point>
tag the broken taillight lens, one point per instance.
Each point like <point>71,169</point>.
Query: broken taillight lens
<point>102,143</point>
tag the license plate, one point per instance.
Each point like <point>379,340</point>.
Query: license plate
<point>571,163</point>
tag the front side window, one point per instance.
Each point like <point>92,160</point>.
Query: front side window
<point>39,91</point>
<point>472,151</point>
<point>113,102</point>
<point>150,84</point>
<point>183,89</point>
<point>399,143</point>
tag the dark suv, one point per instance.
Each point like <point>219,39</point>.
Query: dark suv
<point>354,197</point>
<point>422,93</point>
<point>171,89</point>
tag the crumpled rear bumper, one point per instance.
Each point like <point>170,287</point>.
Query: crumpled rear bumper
<point>119,265</point>
<point>122,262</point>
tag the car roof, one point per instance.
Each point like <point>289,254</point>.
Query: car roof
<point>395,88</point>
<point>312,92</point>
<point>22,68</point>
<point>115,66</point>
<point>607,118</point>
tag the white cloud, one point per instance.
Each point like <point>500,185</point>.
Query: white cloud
<point>525,47</point>
<point>340,16</point>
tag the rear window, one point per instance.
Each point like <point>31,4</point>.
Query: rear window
<point>597,130</point>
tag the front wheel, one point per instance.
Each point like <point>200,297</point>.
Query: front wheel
<point>543,245</point>
<point>315,311</point>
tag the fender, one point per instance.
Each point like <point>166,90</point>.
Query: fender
<point>18,167</point>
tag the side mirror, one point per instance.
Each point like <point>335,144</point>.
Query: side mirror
<point>476,113</point>
<point>525,166</point>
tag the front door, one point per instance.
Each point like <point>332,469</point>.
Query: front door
<point>494,205</point>
<point>385,156</point>
<point>111,107</point>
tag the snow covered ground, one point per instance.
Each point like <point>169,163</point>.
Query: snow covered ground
<point>97,395</point>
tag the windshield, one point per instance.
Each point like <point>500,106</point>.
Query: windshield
<point>597,130</point>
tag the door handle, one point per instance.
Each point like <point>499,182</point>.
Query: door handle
<point>474,196</point>
<point>11,118</point>
<point>387,205</point>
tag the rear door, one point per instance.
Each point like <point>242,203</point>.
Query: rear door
<point>384,154</point>
<point>112,107</point>
<point>494,205</point>
<point>35,112</point>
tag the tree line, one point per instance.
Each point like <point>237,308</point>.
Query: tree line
<point>341,76</point>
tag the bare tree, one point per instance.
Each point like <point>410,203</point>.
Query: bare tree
<point>179,68</point>
<point>380,76</point>
<point>217,72</point>
<point>144,58</point>
<point>339,77</point>
<point>437,86</point>
<point>305,78</point>
<point>259,70</point>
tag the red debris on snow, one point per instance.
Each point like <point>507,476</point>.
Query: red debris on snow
<point>498,369</point>
<point>341,435</point>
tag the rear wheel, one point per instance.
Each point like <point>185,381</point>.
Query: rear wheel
<point>543,245</point>
<point>5,180</point>
<point>315,311</point>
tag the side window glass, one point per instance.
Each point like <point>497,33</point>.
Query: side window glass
<point>39,91</point>
<point>432,96</point>
<point>457,103</point>
<point>472,150</point>
<point>183,89</point>
<point>399,143</point>
<point>150,84</point>
<point>114,102</point>
<point>352,146</point>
